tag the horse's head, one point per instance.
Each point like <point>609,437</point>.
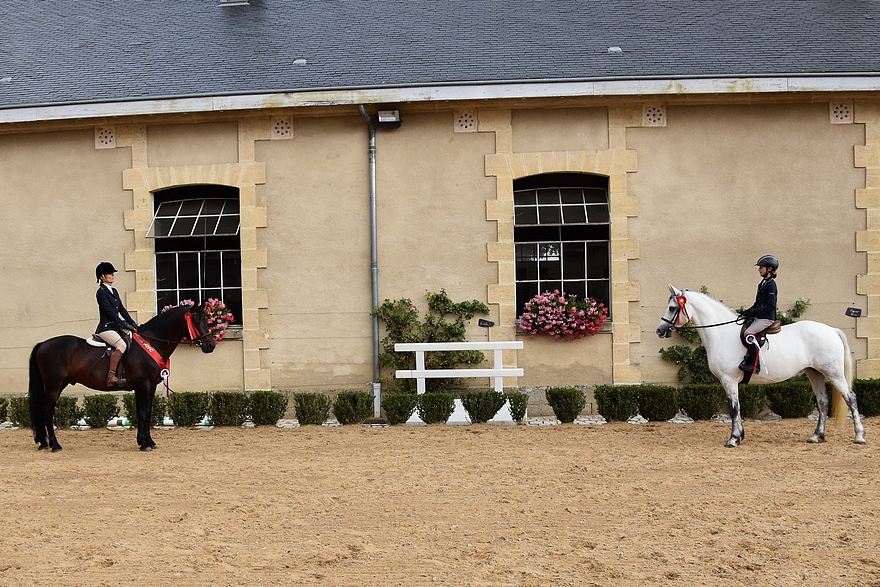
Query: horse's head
<point>199,331</point>
<point>676,314</point>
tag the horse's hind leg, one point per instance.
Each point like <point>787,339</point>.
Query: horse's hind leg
<point>737,433</point>
<point>52,395</point>
<point>849,397</point>
<point>817,380</point>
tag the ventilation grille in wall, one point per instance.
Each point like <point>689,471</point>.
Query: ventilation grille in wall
<point>465,120</point>
<point>654,115</point>
<point>105,137</point>
<point>282,127</point>
<point>841,112</point>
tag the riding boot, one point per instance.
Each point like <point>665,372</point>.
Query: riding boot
<point>112,379</point>
<point>750,362</point>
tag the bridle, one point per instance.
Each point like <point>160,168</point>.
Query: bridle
<point>681,310</point>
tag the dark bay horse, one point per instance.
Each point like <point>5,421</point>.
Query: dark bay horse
<point>67,360</point>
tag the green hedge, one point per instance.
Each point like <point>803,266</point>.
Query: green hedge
<point>658,403</point>
<point>229,408</point>
<point>435,407</point>
<point>867,396</point>
<point>188,407</point>
<point>519,403</point>
<point>4,404</point>
<point>353,407</point>
<point>19,412</point>
<point>481,405</point>
<point>790,399</point>
<point>311,408</point>
<point>701,401</point>
<point>157,414</point>
<point>566,402</point>
<point>267,407</point>
<point>617,402</point>
<point>66,412</point>
<point>752,400</point>
<point>399,406</point>
<point>99,409</point>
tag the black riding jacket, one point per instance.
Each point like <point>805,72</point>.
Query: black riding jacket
<point>110,306</point>
<point>765,301</point>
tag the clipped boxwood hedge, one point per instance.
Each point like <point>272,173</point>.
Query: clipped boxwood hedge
<point>752,400</point>
<point>100,409</point>
<point>867,396</point>
<point>19,412</point>
<point>4,403</point>
<point>188,407</point>
<point>481,405</point>
<point>617,402</point>
<point>229,408</point>
<point>790,399</point>
<point>66,412</point>
<point>399,406</point>
<point>658,402</point>
<point>566,402</point>
<point>435,407</point>
<point>157,414</point>
<point>701,401</point>
<point>311,408</point>
<point>267,407</point>
<point>353,407</point>
<point>519,403</point>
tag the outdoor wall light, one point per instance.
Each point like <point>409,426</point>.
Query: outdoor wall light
<point>389,118</point>
<point>485,323</point>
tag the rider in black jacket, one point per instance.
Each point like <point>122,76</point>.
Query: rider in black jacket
<point>763,311</point>
<point>111,324</point>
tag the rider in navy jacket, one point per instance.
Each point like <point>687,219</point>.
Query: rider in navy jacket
<point>111,325</point>
<point>763,311</point>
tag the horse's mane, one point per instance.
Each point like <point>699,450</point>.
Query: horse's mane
<point>719,302</point>
<point>161,321</point>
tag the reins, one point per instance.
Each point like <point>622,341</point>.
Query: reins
<point>681,301</point>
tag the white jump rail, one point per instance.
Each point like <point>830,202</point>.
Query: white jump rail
<point>498,372</point>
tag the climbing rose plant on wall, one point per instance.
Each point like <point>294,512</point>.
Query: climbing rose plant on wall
<point>562,315</point>
<point>217,314</point>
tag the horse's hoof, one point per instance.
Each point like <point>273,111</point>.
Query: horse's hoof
<point>732,443</point>
<point>56,448</point>
<point>859,441</point>
<point>146,448</point>
<point>43,447</point>
<point>815,439</point>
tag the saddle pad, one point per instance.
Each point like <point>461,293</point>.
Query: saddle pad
<point>95,342</point>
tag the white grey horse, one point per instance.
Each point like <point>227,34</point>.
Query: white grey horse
<point>815,348</point>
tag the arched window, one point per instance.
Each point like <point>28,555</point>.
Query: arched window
<point>198,248</point>
<point>562,231</point>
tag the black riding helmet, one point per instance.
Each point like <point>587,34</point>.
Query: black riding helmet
<point>104,268</point>
<point>768,261</point>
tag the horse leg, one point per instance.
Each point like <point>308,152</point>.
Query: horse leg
<point>49,415</point>
<point>737,433</point>
<point>817,380</point>
<point>144,404</point>
<point>849,397</point>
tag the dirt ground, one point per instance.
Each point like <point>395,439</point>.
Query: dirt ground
<point>612,505</point>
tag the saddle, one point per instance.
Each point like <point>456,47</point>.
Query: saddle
<point>93,340</point>
<point>760,336</point>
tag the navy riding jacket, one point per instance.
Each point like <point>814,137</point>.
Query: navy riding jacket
<point>765,301</point>
<point>110,306</point>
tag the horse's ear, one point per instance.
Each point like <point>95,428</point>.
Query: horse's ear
<point>672,290</point>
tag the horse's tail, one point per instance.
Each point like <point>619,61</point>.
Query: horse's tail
<point>838,404</point>
<point>36,393</point>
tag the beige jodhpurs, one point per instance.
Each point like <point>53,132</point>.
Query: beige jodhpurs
<point>756,326</point>
<point>112,338</point>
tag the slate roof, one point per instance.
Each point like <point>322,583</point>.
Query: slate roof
<point>81,51</point>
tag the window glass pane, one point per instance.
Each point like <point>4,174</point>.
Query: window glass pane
<point>524,197</point>
<point>598,290</point>
<point>574,214</point>
<point>597,261</point>
<point>211,269</point>
<point>550,270</point>
<point>191,207</point>
<point>573,261</point>
<point>168,209</point>
<point>536,233</point>
<point>206,225</point>
<point>166,298</point>
<point>572,195</point>
<point>212,293</point>
<point>162,226</point>
<point>231,269</point>
<point>232,299</point>
<point>525,290</point>
<point>166,271</point>
<point>213,206</point>
<point>549,215</point>
<point>548,196</point>
<point>228,225</point>
<point>578,288</point>
<point>598,213</point>
<point>525,215</point>
<point>183,226</point>
<point>548,252</point>
<point>584,232</point>
<point>526,270</point>
<point>188,270</point>
<point>595,196</point>
<point>190,294</point>
<point>550,286</point>
<point>526,252</point>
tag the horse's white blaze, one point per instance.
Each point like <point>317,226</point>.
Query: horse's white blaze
<point>803,345</point>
